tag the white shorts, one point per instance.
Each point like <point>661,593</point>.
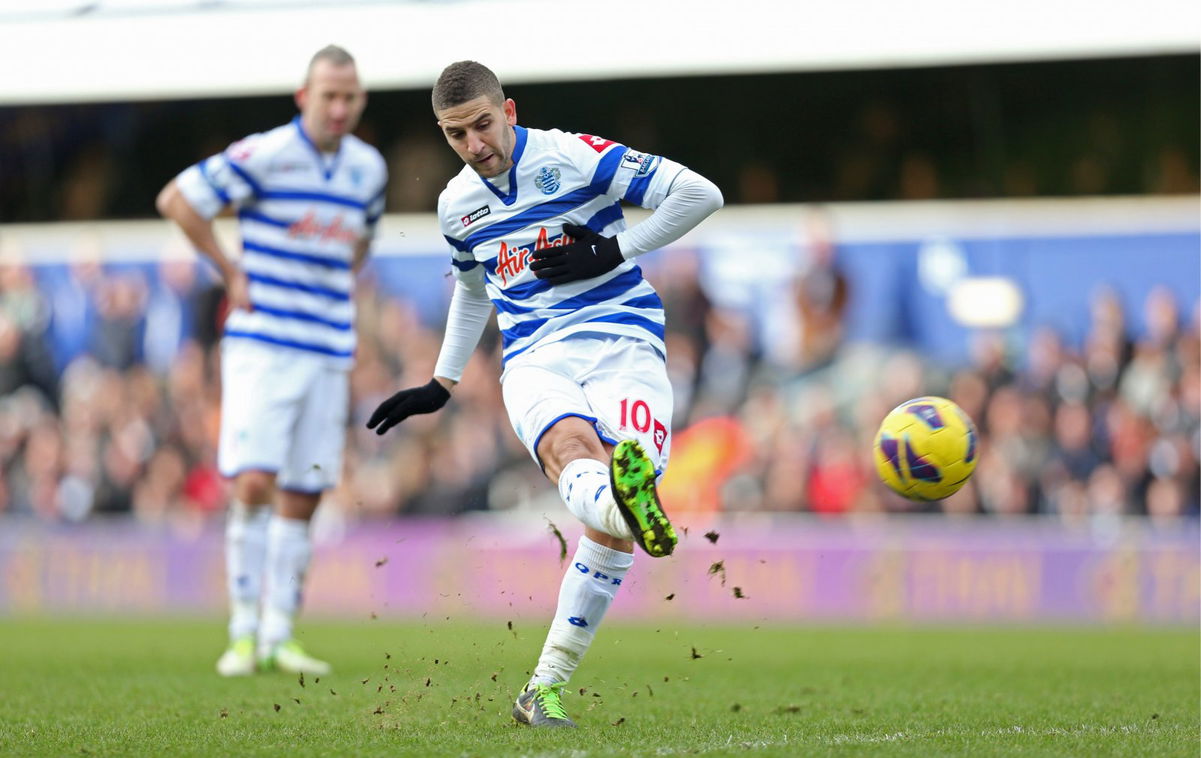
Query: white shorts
<point>619,384</point>
<point>283,412</point>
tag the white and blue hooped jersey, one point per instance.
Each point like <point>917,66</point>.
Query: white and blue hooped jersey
<point>300,214</point>
<point>557,178</point>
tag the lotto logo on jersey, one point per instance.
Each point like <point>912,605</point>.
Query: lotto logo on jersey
<point>242,149</point>
<point>476,215</point>
<point>599,144</point>
<point>660,436</point>
<point>511,261</point>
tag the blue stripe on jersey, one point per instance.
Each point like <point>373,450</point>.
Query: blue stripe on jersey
<point>321,197</point>
<point>602,292</point>
<point>278,252</point>
<point>629,318</point>
<point>204,173</point>
<point>527,290</point>
<point>595,296</point>
<point>540,212</point>
<point>310,289</point>
<point>374,216</point>
<point>646,301</point>
<point>604,217</point>
<point>246,214</point>
<point>510,197</point>
<point>460,246</point>
<point>521,329</point>
<point>309,346</point>
<point>504,306</point>
<point>464,265</point>
<point>342,326</point>
<point>607,168</point>
<point>519,145</point>
<point>638,187</point>
<point>241,172</point>
<point>601,179</point>
<point>317,154</point>
<point>506,357</point>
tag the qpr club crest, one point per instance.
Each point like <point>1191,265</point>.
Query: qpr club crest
<point>547,180</point>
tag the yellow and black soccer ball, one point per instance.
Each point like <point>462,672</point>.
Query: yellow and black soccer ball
<point>926,448</point>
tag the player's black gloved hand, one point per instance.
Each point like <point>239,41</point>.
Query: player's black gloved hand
<point>590,255</point>
<point>425,399</point>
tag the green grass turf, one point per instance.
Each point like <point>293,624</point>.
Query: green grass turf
<point>147,687</point>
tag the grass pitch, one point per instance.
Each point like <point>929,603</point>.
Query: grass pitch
<point>132,688</point>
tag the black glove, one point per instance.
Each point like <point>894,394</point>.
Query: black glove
<point>425,399</point>
<point>590,255</point>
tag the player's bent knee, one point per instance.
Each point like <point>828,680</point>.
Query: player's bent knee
<point>570,439</point>
<point>255,487</point>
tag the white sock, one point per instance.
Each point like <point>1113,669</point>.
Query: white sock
<point>245,556</point>
<point>288,552</point>
<point>584,487</point>
<point>588,588</point>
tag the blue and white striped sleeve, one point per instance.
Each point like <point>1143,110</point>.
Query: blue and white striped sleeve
<point>375,209</point>
<point>216,182</point>
<point>643,179</point>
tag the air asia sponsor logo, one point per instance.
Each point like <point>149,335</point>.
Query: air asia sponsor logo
<point>511,261</point>
<point>596,143</point>
<point>476,215</point>
<point>311,228</point>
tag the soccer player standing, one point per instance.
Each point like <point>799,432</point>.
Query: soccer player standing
<point>535,227</point>
<point>308,195</point>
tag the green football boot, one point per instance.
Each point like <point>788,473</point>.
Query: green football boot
<point>290,657</point>
<point>238,658</point>
<point>541,705</point>
<point>632,475</point>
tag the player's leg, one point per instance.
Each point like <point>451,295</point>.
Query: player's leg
<point>289,552</point>
<point>631,395</point>
<point>574,457</point>
<point>551,415</point>
<point>250,452</point>
<point>245,553</point>
<point>313,464</point>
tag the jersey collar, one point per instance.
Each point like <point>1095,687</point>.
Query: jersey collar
<point>510,197</point>
<point>329,169</point>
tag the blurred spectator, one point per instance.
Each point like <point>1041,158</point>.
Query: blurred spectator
<point>822,295</point>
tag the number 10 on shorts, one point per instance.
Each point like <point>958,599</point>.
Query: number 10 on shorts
<point>636,414</point>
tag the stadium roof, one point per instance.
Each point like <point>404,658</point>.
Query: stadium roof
<point>55,51</point>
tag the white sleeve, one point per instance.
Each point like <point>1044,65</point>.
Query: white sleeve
<point>469,312</point>
<point>227,178</point>
<point>688,199</point>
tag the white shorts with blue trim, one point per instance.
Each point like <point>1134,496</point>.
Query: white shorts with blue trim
<point>282,411</point>
<point>619,384</point>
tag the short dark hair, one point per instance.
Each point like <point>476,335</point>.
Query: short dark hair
<point>463,81</point>
<point>332,53</point>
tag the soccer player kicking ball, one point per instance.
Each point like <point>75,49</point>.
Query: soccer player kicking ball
<point>308,195</point>
<point>535,227</point>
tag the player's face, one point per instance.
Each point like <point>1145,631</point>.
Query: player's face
<point>330,103</point>
<point>481,133</point>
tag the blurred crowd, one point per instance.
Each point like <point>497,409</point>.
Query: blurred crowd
<point>109,403</point>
